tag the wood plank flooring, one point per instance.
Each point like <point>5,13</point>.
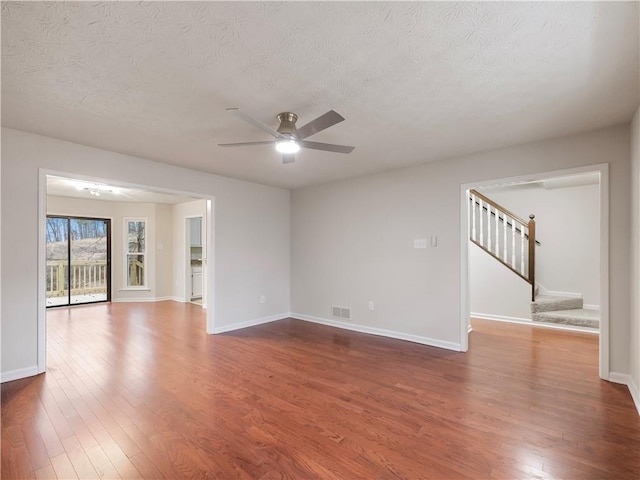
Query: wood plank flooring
<point>140,391</point>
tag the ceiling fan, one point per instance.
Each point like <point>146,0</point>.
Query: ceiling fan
<point>288,139</point>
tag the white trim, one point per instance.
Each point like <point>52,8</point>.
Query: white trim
<point>531,323</point>
<point>145,299</point>
<point>604,271</point>
<point>603,170</point>
<point>621,378</point>
<point>12,375</point>
<point>465,302</point>
<point>500,318</point>
<point>589,306</point>
<point>552,293</point>
<point>251,323</point>
<point>380,332</point>
<point>626,379</point>
<point>41,301</point>
<point>635,393</point>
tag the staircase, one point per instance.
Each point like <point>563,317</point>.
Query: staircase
<point>563,311</point>
<point>505,236</point>
<point>511,240</point>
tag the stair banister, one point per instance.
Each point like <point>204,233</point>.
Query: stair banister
<point>525,269</point>
<point>531,227</point>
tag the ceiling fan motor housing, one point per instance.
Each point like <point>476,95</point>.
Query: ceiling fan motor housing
<point>287,124</point>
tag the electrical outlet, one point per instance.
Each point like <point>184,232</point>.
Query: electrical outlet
<point>420,243</point>
<point>372,306</point>
<point>263,299</point>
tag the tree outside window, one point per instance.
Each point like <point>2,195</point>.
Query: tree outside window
<point>136,252</point>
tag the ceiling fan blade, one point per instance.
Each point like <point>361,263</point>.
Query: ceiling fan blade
<point>327,147</point>
<point>323,122</point>
<point>246,144</point>
<point>288,158</point>
<point>256,123</point>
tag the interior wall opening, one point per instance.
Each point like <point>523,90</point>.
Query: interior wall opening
<point>146,268</point>
<point>557,277</point>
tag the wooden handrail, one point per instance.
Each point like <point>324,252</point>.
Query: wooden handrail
<point>500,219</point>
<point>499,207</point>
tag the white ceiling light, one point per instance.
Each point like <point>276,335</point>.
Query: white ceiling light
<point>287,145</point>
<point>94,189</point>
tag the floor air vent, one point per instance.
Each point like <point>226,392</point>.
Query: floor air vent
<point>341,312</point>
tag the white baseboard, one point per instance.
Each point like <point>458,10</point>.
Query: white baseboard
<point>635,393</point>
<point>18,374</point>
<point>626,379</point>
<point>531,323</point>
<point>553,293</point>
<point>500,318</point>
<point>146,299</point>
<point>379,331</point>
<point>251,323</point>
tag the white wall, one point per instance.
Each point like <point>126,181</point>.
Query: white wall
<point>252,232</point>
<point>635,259</point>
<point>164,251</point>
<point>352,240</point>
<point>494,290</point>
<point>159,232</point>
<point>568,259</point>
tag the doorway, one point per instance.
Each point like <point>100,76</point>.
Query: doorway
<point>78,260</point>
<point>602,172</point>
<point>195,284</point>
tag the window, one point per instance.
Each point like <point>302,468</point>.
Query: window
<point>135,254</point>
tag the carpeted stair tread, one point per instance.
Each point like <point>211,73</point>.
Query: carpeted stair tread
<point>548,303</point>
<point>578,317</point>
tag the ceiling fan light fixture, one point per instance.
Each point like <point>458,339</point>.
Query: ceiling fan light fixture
<point>287,145</point>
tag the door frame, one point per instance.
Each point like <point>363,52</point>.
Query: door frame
<point>43,173</point>
<point>108,274</point>
<point>465,311</point>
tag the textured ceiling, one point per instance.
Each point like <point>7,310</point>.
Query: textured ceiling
<point>416,82</point>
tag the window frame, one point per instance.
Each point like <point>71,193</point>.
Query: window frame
<point>126,254</point>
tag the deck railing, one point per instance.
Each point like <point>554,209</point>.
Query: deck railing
<point>86,277</point>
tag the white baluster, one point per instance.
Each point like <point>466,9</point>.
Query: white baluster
<point>504,242</point>
<point>497,233</point>
<point>489,227</point>
<point>473,217</point>
<point>522,249</point>
<point>481,222</point>
<point>513,243</point>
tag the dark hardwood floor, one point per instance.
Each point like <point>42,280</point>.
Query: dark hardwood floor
<point>140,391</point>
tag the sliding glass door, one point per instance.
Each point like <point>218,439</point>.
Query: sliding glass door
<point>78,260</point>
